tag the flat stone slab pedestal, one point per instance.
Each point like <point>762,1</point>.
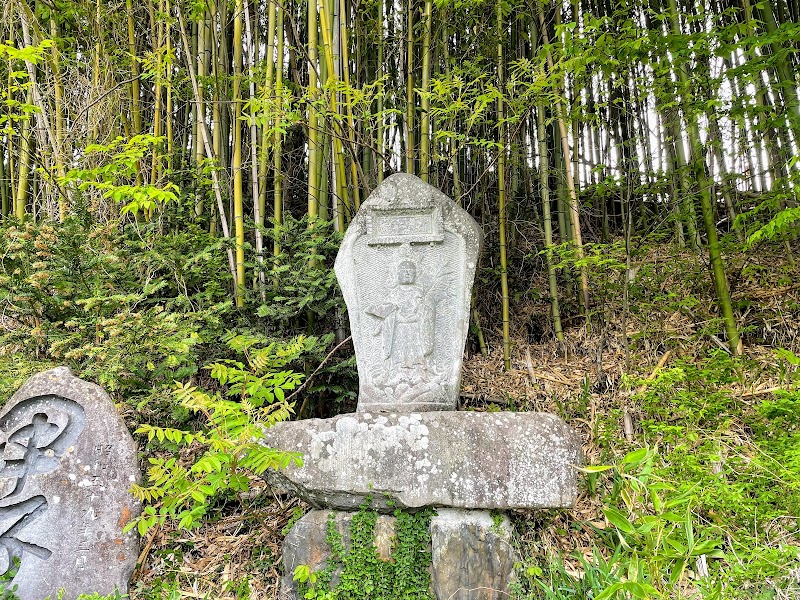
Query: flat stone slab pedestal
<point>471,554</point>
<point>465,464</point>
<point>473,460</point>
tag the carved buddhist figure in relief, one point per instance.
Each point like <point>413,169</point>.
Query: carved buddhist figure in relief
<point>406,323</point>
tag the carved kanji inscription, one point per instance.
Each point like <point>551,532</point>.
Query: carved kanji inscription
<point>66,465</point>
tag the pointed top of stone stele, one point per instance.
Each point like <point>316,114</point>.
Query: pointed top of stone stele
<point>406,268</point>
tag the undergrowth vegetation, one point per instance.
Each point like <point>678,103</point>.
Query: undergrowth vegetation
<point>693,490</point>
<point>137,308</point>
<point>691,487</point>
<point>633,166</point>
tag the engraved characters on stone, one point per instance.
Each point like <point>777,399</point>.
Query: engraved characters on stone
<point>67,462</point>
<point>33,437</point>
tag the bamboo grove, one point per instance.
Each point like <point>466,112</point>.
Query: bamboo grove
<point>562,123</point>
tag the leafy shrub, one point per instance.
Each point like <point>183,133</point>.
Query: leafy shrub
<point>229,446</point>
<point>136,308</point>
<point>303,282</point>
<point>114,308</point>
<point>139,309</point>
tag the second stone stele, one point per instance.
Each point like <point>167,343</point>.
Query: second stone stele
<point>67,463</point>
<point>406,268</point>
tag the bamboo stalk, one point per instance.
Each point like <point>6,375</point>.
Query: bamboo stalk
<point>425,102</point>
<point>501,195</point>
<point>409,122</point>
<point>258,216</point>
<point>4,205</point>
<point>58,108</point>
<point>314,163</point>
<point>699,171</point>
<point>136,120</point>
<point>168,107</point>
<point>45,132</point>
<point>785,70</point>
<point>236,163</point>
<point>10,145</point>
<point>23,175</point>
<point>351,126</point>
<point>277,176</point>
<point>209,150</point>
<point>380,133</point>
<point>453,145</point>
<point>338,155</point>
<point>200,109</point>
<point>544,175</point>
<point>154,168</point>
<point>573,198</point>
<point>267,96</point>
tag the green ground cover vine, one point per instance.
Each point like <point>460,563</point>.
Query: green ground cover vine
<point>355,571</point>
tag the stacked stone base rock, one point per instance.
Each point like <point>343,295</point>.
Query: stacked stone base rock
<point>465,464</point>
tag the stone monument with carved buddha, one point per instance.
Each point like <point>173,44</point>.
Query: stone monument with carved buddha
<point>406,267</point>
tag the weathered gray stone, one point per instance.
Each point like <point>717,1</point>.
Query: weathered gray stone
<point>406,267</point>
<point>471,554</point>
<point>453,459</point>
<point>66,464</point>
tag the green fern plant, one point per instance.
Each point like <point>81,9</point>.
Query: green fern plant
<point>253,397</point>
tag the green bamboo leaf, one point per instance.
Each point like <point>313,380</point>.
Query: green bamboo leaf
<point>609,592</point>
<point>635,456</point>
<point>636,590</point>
<point>619,520</point>
<point>594,468</point>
